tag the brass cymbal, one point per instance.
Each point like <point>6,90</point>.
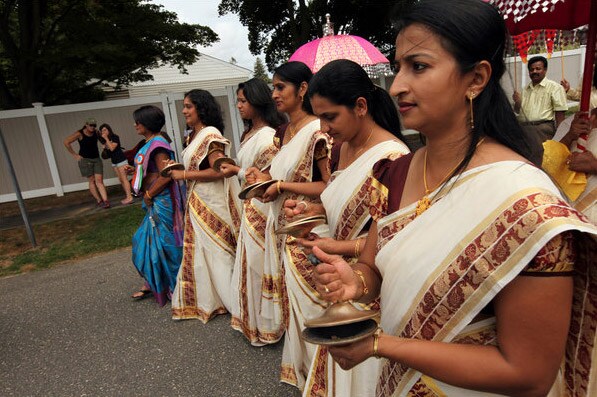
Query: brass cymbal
<point>339,314</point>
<point>222,160</point>
<point>255,190</point>
<point>170,167</point>
<point>341,334</point>
<point>302,226</point>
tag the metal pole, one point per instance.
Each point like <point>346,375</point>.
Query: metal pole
<point>15,183</point>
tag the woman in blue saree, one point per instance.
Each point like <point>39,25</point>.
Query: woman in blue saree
<point>157,244</point>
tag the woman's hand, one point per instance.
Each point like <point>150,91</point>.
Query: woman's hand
<point>177,174</point>
<point>334,278</point>
<point>129,169</point>
<point>311,240</point>
<point>229,170</point>
<point>293,208</point>
<point>348,356</point>
<point>271,193</point>
<point>253,175</point>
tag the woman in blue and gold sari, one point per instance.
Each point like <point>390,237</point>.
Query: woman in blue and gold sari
<point>157,244</point>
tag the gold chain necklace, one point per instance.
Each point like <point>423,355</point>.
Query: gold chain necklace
<point>191,136</point>
<point>296,125</point>
<point>424,203</point>
<point>356,155</point>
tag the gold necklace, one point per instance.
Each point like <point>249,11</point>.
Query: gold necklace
<point>356,155</point>
<point>191,136</point>
<point>296,125</point>
<point>424,203</point>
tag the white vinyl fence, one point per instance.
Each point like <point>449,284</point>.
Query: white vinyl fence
<point>34,138</point>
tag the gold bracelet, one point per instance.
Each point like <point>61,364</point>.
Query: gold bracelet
<point>362,277</point>
<point>357,249</point>
<point>184,175</point>
<point>148,195</point>
<point>376,342</point>
<point>278,187</point>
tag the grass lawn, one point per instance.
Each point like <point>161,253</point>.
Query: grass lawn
<point>68,239</point>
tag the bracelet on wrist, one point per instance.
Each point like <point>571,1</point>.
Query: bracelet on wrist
<point>376,342</point>
<point>278,187</point>
<point>148,195</point>
<point>362,277</point>
<point>357,249</point>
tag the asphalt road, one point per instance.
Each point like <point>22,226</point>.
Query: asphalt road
<point>74,331</point>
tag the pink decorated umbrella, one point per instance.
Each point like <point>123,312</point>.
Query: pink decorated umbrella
<point>318,52</point>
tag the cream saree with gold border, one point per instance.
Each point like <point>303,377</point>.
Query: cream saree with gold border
<point>346,200</point>
<point>441,268</point>
<point>203,284</point>
<point>258,151</point>
<point>287,283</point>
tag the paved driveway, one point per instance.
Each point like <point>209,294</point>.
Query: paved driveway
<point>74,331</point>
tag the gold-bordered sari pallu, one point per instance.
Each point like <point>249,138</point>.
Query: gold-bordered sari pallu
<point>285,263</point>
<point>346,199</point>
<point>257,151</point>
<point>211,219</point>
<point>442,268</point>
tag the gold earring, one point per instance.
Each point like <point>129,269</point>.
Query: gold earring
<point>470,101</point>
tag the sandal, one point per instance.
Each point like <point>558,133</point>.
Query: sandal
<point>141,294</point>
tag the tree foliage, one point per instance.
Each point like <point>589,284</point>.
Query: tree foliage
<point>278,27</point>
<point>62,51</point>
<point>259,71</point>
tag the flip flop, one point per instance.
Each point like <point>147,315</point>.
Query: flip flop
<point>144,294</point>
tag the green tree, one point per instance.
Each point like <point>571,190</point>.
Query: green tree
<point>259,71</point>
<point>63,51</point>
<point>295,22</point>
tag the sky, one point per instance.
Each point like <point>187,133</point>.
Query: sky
<point>233,35</point>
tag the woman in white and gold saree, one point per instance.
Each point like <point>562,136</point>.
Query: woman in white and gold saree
<point>301,169</point>
<point>212,216</point>
<point>363,121</point>
<point>257,108</point>
<point>480,265</point>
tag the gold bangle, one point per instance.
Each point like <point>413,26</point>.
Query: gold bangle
<point>357,249</point>
<point>278,187</point>
<point>184,175</point>
<point>148,195</point>
<point>376,342</point>
<point>362,277</point>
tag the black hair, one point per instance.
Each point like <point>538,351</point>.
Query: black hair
<point>295,73</point>
<point>473,31</point>
<point>259,96</point>
<point>343,81</point>
<point>537,58</point>
<point>151,117</point>
<point>110,131</point>
<point>208,109</point>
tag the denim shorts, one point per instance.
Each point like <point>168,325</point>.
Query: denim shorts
<point>123,162</point>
